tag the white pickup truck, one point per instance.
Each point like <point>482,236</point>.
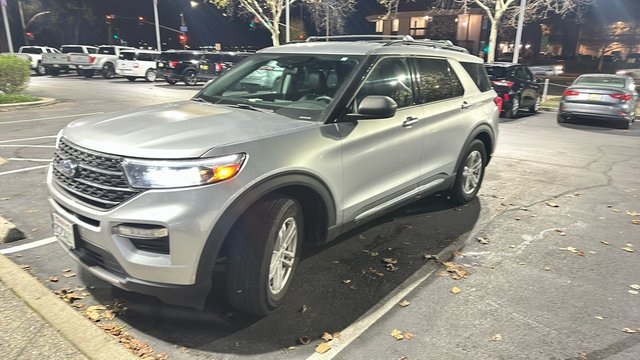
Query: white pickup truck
<point>33,54</point>
<point>104,60</point>
<point>61,61</point>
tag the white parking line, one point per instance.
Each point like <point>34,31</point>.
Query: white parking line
<point>50,118</point>
<point>30,245</point>
<point>29,146</point>
<point>27,139</point>
<point>22,159</point>
<point>23,170</point>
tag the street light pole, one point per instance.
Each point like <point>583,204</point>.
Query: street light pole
<point>516,49</point>
<point>24,28</point>
<point>3,5</point>
<point>157,24</point>
<point>287,22</point>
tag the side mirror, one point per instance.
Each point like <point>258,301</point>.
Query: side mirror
<point>375,107</point>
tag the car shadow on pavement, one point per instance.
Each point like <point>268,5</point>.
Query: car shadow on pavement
<point>598,125</point>
<point>334,285</point>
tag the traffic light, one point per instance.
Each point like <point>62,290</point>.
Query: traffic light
<point>140,20</point>
<point>109,19</point>
<point>182,38</point>
<point>253,24</point>
<point>30,35</point>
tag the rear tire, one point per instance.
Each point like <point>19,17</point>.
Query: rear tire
<point>40,69</point>
<point>108,71</point>
<point>470,173</point>
<point>150,75</point>
<point>264,253</point>
<point>190,78</point>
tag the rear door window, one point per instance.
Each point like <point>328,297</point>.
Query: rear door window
<point>478,75</point>
<point>436,80</point>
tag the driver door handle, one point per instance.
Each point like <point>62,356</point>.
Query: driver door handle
<point>410,121</point>
<point>465,105</point>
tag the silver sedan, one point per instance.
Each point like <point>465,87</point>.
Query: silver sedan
<point>600,96</point>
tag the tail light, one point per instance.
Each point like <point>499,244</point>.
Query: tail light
<point>506,97</point>
<point>623,97</point>
<point>570,92</point>
<point>91,59</point>
<point>218,67</point>
<point>173,63</point>
<point>503,83</point>
<point>498,101</point>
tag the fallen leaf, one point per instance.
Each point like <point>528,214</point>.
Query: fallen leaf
<point>304,340</point>
<point>633,213</point>
<point>390,261</point>
<point>397,334</point>
<point>303,308</point>
<point>66,270</point>
<point>455,290</point>
<point>560,232</point>
<point>497,337</point>
<point>605,242</point>
<point>635,222</point>
<point>482,241</point>
<point>337,335</point>
<point>546,268</point>
<point>25,267</point>
<point>408,335</point>
<point>391,267</point>
<point>292,347</point>
<point>323,348</point>
<point>635,286</point>
<point>69,274</point>
<point>326,336</point>
<point>361,237</point>
<point>552,204</point>
<point>572,249</point>
<point>628,249</point>
<point>346,281</point>
<point>78,305</point>
<point>404,303</point>
<point>634,292</point>
<point>629,331</point>
<point>580,253</point>
<point>573,195</point>
<point>431,257</point>
<point>54,279</point>
<point>616,210</point>
<point>599,317</point>
<point>457,271</point>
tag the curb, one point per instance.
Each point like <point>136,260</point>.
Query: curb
<point>9,232</point>
<point>78,331</point>
<point>41,102</point>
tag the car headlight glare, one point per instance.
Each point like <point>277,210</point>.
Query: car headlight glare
<point>151,174</point>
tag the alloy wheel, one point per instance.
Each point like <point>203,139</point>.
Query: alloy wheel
<point>472,172</point>
<point>283,257</point>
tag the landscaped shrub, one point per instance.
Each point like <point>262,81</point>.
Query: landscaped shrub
<point>14,74</point>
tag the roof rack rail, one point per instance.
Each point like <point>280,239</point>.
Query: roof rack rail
<point>438,44</point>
<point>361,37</point>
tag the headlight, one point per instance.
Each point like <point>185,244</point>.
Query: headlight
<point>147,174</point>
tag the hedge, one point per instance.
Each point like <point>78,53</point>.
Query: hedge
<point>14,74</point>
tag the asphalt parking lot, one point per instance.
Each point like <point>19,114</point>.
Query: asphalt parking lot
<point>544,259</point>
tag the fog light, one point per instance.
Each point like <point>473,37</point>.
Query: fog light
<point>141,231</point>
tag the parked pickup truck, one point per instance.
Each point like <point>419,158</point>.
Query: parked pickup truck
<point>56,62</point>
<point>33,54</point>
<point>104,61</point>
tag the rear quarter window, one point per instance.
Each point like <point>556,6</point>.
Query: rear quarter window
<point>478,75</point>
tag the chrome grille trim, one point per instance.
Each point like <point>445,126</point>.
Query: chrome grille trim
<point>100,182</point>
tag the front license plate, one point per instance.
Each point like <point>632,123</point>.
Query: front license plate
<point>63,230</point>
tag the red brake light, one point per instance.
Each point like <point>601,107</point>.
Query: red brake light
<point>498,101</point>
<point>623,97</point>
<point>503,83</point>
<point>218,67</point>
<point>92,58</point>
<point>173,63</point>
<point>569,92</point>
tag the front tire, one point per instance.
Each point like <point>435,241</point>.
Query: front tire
<point>535,108</point>
<point>264,252</point>
<point>512,113</point>
<point>40,69</point>
<point>470,173</point>
<point>150,75</point>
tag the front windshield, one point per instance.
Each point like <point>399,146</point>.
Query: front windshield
<point>297,86</point>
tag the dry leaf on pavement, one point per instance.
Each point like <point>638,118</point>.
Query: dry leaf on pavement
<point>633,213</point>
<point>326,336</point>
<point>635,286</point>
<point>628,249</point>
<point>635,222</point>
<point>629,331</point>
<point>560,232</point>
<point>455,290</point>
<point>69,274</point>
<point>397,334</point>
<point>404,303</point>
<point>482,240</point>
<point>54,279</point>
<point>599,317</point>
<point>323,348</point>
<point>390,261</point>
<point>497,337</point>
<point>552,204</point>
<point>457,271</point>
<point>408,335</point>
<point>605,242</point>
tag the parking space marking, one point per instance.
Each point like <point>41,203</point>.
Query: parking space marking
<point>23,170</point>
<point>49,118</point>
<point>22,159</point>
<point>353,331</point>
<point>27,139</point>
<point>29,146</point>
<point>30,245</point>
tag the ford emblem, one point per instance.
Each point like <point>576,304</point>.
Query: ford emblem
<point>68,167</point>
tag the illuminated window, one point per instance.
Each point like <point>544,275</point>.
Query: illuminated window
<point>379,26</point>
<point>395,25</point>
<point>418,25</point>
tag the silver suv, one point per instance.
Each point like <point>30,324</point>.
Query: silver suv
<point>239,178</point>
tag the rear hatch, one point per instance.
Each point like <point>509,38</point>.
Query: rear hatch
<point>498,77</point>
<point>169,61</point>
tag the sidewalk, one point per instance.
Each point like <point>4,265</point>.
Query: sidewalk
<point>38,325</point>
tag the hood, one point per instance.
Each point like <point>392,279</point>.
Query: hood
<point>178,130</point>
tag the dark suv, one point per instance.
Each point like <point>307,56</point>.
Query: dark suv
<point>181,65</point>
<point>517,87</point>
<point>218,62</point>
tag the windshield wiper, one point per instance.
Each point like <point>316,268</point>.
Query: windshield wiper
<point>246,107</point>
<point>198,99</point>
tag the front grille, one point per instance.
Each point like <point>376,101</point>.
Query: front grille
<point>98,179</point>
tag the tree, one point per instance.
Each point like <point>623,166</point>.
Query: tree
<point>266,12</point>
<point>331,15</point>
<point>506,12</point>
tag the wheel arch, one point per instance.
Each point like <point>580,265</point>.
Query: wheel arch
<point>318,208</point>
<point>484,133</point>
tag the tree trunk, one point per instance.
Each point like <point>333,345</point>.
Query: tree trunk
<point>275,33</point>
<point>493,37</point>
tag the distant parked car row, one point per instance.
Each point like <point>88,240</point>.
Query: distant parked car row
<point>188,66</point>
